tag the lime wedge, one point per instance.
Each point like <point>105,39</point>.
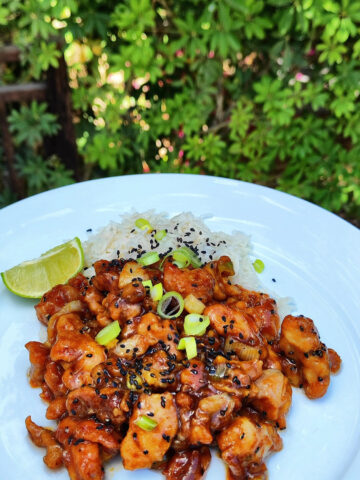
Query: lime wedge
<point>33,278</point>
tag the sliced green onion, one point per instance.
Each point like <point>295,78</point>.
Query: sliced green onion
<point>258,265</point>
<point>108,333</point>
<point>156,292</point>
<point>171,305</point>
<point>147,283</point>
<point>196,324</point>
<point>188,344</point>
<point>160,235</point>
<point>181,260</point>
<point>146,423</point>
<point>143,224</point>
<point>185,255</point>
<point>193,258</point>
<point>148,258</point>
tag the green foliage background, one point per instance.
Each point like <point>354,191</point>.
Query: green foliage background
<point>262,91</point>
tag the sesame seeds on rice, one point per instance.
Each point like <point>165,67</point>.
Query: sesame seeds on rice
<point>125,240</point>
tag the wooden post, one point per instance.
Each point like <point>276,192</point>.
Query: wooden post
<point>56,92</point>
<point>16,183</point>
<point>58,97</point>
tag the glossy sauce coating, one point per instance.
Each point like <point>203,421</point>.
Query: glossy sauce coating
<point>234,395</point>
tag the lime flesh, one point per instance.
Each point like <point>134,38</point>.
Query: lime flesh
<point>31,279</point>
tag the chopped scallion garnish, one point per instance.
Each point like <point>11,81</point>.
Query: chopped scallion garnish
<point>258,265</point>
<point>160,235</point>
<point>108,333</point>
<point>146,423</point>
<point>143,224</point>
<point>156,292</point>
<point>171,305</point>
<point>188,344</point>
<point>180,259</point>
<point>185,257</point>
<point>147,284</point>
<point>148,258</point>
<point>196,324</point>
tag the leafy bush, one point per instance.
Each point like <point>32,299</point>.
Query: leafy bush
<point>263,91</point>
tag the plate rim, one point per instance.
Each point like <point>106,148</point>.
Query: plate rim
<point>211,178</point>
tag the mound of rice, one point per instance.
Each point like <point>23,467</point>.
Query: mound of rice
<point>125,240</point>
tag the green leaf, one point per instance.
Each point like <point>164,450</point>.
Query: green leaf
<point>285,22</point>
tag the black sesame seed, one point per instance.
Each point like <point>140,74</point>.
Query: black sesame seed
<point>79,440</point>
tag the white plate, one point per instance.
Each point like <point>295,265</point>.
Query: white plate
<point>312,254</point>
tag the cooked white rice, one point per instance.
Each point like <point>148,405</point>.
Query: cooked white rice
<point>125,240</point>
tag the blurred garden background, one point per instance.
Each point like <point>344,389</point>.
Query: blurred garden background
<point>260,91</point>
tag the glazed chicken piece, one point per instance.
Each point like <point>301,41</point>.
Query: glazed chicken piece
<point>132,271</point>
<point>109,404</point>
<point>197,281</point>
<point>245,444</point>
<point>79,350</point>
<point>39,355</point>
<point>261,307</point>
<point>43,437</point>
<point>271,358</point>
<point>273,398</point>
<point>53,379</point>
<point>163,331</point>
<point>148,331</point>
<point>117,308</point>
<point>71,429</point>
<point>158,370</point>
<point>335,360</point>
<point>230,321</point>
<point>56,408</point>
<point>107,275</point>
<point>188,465</point>
<point>194,377</point>
<point>300,342</point>
<point>185,405</point>
<point>54,300</point>
<point>141,448</point>
<point>126,303</point>
<point>213,413</point>
<point>93,299</point>
<point>236,377</point>
<point>82,440</point>
<point>83,461</point>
